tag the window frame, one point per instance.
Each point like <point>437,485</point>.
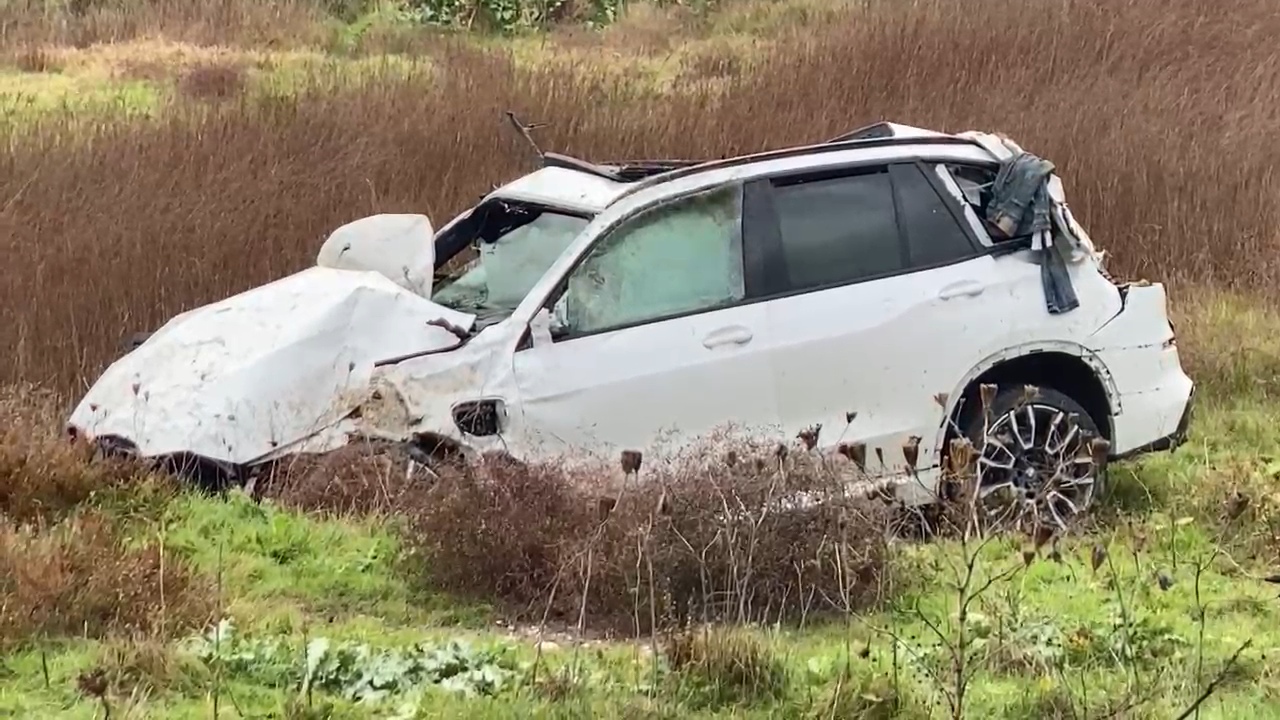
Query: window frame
<point>753,261</point>
<point>994,248</point>
<point>470,227</point>
<point>779,283</point>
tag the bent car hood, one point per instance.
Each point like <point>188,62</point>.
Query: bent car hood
<point>266,369</point>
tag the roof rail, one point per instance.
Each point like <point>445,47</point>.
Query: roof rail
<point>835,145</point>
<point>886,130</point>
<point>634,170</point>
<point>631,171</point>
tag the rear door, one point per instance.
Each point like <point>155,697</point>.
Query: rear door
<point>658,339</point>
<point>882,301</point>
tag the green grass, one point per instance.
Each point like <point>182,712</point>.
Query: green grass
<point>1038,635</point>
<point>96,89</point>
<point>27,97</point>
<point>648,50</point>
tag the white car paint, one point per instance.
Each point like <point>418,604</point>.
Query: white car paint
<point>617,390</point>
<point>1141,358</point>
<point>271,369</point>
<point>900,361</point>
<point>398,247</point>
<point>886,350</point>
<point>563,188</point>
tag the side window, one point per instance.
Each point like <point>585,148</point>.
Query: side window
<point>838,230</point>
<point>933,235</point>
<point>971,185</point>
<point>974,182</point>
<point>680,257</point>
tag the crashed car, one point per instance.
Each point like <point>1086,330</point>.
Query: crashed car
<point>870,285</point>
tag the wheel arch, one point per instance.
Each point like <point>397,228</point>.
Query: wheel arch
<point>1069,368</point>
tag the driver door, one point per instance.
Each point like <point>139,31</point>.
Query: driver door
<point>656,339</point>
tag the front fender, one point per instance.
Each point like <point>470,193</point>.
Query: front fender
<point>417,397</point>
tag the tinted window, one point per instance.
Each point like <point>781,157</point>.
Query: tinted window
<point>933,236</point>
<point>838,230</point>
<point>681,257</point>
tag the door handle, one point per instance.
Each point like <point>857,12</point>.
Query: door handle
<point>963,288</point>
<point>733,335</point>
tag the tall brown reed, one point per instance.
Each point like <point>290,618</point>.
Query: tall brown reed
<point>1159,114</point>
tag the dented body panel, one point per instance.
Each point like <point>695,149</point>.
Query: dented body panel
<point>335,353</point>
<point>274,368</point>
<point>1140,353</point>
<point>563,188</point>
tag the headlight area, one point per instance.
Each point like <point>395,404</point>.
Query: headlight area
<point>443,434</point>
<point>387,413</point>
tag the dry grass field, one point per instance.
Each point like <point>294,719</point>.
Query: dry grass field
<point>1159,117</point>
<point>163,154</point>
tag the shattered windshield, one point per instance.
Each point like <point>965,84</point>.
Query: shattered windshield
<point>513,246</point>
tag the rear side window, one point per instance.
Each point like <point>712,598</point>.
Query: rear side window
<point>838,230</point>
<point>853,227</point>
<point>932,233</point>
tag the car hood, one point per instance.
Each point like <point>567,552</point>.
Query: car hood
<point>277,366</point>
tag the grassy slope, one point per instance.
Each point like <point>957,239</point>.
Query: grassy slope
<point>139,76</point>
<point>295,578</point>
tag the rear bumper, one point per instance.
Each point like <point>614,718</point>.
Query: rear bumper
<point>1171,441</point>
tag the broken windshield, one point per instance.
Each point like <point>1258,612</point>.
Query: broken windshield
<point>514,245</point>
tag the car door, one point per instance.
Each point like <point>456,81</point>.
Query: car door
<point>884,301</point>
<point>657,342</point>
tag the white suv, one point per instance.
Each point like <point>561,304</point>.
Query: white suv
<point>865,286</point>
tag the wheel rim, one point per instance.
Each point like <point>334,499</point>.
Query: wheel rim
<point>1035,468</point>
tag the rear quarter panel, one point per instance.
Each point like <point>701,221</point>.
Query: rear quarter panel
<point>1140,352</point>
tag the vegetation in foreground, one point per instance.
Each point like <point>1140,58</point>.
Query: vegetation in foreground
<point>346,594</point>
<point>212,150</point>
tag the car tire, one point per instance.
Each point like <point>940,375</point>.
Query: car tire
<point>1034,469</point>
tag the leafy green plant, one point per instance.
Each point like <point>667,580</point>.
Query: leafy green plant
<point>504,15</point>
<point>356,671</point>
<point>1040,645</point>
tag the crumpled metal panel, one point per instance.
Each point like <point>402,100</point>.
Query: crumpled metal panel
<point>238,379</point>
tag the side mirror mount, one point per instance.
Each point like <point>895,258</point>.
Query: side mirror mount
<point>401,248</point>
<point>548,324</point>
